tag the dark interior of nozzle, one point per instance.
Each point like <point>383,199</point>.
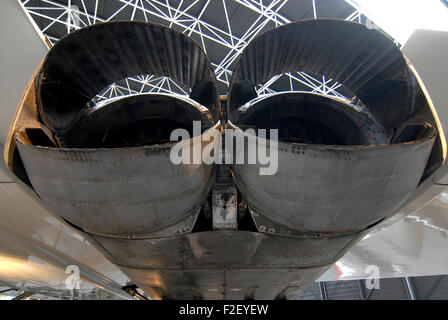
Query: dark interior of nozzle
<point>313,119</point>
<point>301,130</point>
<point>143,132</point>
<point>88,60</point>
<point>136,121</point>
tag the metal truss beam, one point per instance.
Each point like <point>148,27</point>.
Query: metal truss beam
<point>181,15</point>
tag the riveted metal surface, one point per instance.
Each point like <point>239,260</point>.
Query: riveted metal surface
<point>122,191</point>
<point>321,188</point>
<point>224,284</point>
<point>365,61</point>
<point>139,208</point>
<point>224,249</point>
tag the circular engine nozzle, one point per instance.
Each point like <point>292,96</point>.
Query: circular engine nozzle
<point>88,60</point>
<point>340,167</point>
<point>108,171</point>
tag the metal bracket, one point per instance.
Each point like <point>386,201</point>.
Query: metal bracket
<point>224,201</point>
<point>266,225</point>
<point>225,210</point>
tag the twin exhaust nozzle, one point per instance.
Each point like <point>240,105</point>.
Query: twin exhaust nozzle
<point>331,159</point>
<point>263,191</point>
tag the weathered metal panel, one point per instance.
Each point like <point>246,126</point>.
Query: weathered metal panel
<point>22,51</point>
<point>366,61</point>
<point>224,284</point>
<point>414,246</point>
<point>139,208</point>
<point>224,249</point>
<point>128,192</point>
<point>320,188</point>
<point>427,51</point>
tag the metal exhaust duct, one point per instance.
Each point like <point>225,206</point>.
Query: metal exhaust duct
<point>191,230</point>
<point>342,168</point>
<point>106,170</point>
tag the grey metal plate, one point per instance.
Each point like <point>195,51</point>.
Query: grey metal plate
<point>414,246</point>
<point>427,50</point>
<point>333,189</point>
<point>22,51</point>
<point>131,191</point>
<point>224,249</point>
<point>225,284</point>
